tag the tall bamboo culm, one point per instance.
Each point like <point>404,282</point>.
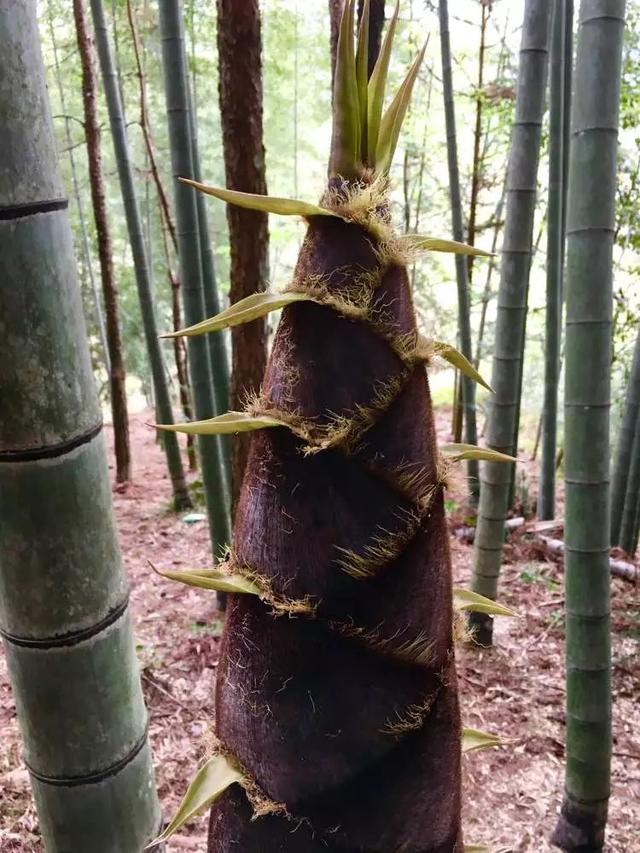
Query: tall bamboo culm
<point>462,274</point>
<point>189,250</point>
<point>64,615</point>
<point>590,236</point>
<point>140,261</point>
<point>626,433</point>
<point>555,264</point>
<point>628,539</point>
<point>512,303</point>
<point>217,344</point>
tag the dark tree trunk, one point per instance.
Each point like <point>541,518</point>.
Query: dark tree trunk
<point>117,377</point>
<point>146,132</point>
<point>376,24</point>
<point>240,93</point>
<point>335,14</point>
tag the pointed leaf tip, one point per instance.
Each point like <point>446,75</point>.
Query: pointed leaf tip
<point>252,307</point>
<point>392,120</point>
<point>227,424</point>
<point>458,360</point>
<point>207,785</point>
<point>263,203</point>
<point>467,600</point>
<point>377,87</point>
<point>474,739</point>
<point>461,452</point>
<point>215,580</point>
<point>435,244</point>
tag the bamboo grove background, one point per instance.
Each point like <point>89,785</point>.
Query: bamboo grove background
<point>296,136</point>
<point>495,80</point>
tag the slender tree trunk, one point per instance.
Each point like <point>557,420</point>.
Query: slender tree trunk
<point>117,378</point>
<point>179,123</point>
<point>623,456</point>
<point>555,266</point>
<point>486,295</point>
<point>240,92</point>
<point>86,252</point>
<point>590,230</point>
<point>627,538</point>
<point>168,228</point>
<point>477,167</point>
<point>165,210</point>
<point>335,16</point>
<point>140,260</point>
<point>217,344</point>
<point>512,305</point>
<point>464,320</point>
<point>64,615</point>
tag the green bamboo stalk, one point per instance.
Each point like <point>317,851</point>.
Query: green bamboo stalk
<point>462,275</point>
<point>86,251</point>
<point>140,261</point>
<point>627,536</point>
<point>555,240</point>
<point>566,141</point>
<point>512,302</point>
<point>179,123</point>
<point>64,615</point>
<point>590,236</point>
<point>623,456</point>
<point>216,344</point>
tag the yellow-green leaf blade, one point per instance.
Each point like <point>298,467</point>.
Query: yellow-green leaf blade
<point>250,308</point>
<point>264,203</point>
<point>345,138</point>
<point>457,359</point>
<point>474,739</point>
<point>362,71</point>
<point>377,86</point>
<point>391,123</point>
<point>476,848</point>
<point>227,424</point>
<point>436,244</point>
<point>207,785</point>
<point>215,580</point>
<point>465,599</point>
<point>461,452</point>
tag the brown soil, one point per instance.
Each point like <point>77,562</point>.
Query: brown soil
<point>512,794</point>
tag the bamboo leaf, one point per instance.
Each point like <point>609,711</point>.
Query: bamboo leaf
<point>214,579</point>
<point>435,244</point>
<point>345,139</point>
<point>250,308</point>
<point>465,599</point>
<point>473,739</point>
<point>391,123</point>
<point>227,424</point>
<point>460,452</point>
<point>362,71</point>
<point>207,785</point>
<point>457,359</point>
<point>377,86</point>
<point>264,203</point>
<point>476,848</point>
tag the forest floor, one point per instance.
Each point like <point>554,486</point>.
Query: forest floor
<point>512,794</point>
